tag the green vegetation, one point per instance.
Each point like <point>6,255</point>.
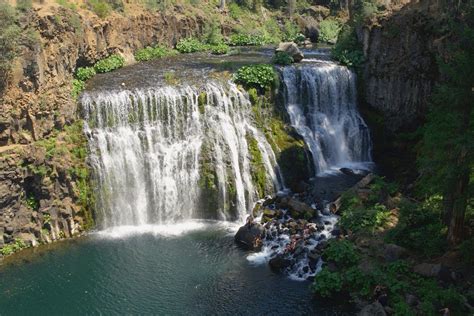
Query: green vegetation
<point>191,45</point>
<point>13,247</point>
<point>348,50</point>
<point>259,174</point>
<point>32,202</point>
<point>83,74</point>
<point>396,279</point>
<point>247,40</point>
<point>219,49</point>
<point>155,52</point>
<point>100,7</point>
<point>110,63</point>
<point>9,40</point>
<point>446,156</point>
<point>291,33</point>
<point>282,58</point>
<point>329,30</point>
<point>256,76</point>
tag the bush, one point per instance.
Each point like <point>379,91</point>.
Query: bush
<point>190,45</point>
<point>365,219</point>
<point>220,49</point>
<point>256,76</point>
<point>77,87</point>
<point>212,34</point>
<point>99,7</point>
<point>467,251</point>
<point>85,73</point>
<point>282,58</point>
<point>10,35</point>
<point>110,63</point>
<point>247,40</point>
<point>12,248</point>
<point>149,53</point>
<point>420,228</point>
<point>329,30</point>
<point>327,283</point>
<point>364,10</point>
<point>341,252</point>
<point>348,51</point>
<point>290,31</point>
<point>23,5</point>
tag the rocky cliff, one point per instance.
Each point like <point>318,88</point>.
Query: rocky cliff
<point>44,181</point>
<point>401,48</point>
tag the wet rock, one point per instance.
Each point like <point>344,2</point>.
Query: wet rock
<point>411,300</point>
<point>249,236</point>
<point>347,171</point>
<point>374,309</point>
<point>279,263</point>
<point>291,49</point>
<point>313,256</point>
<point>394,252</point>
<point>435,270</point>
<point>336,232</point>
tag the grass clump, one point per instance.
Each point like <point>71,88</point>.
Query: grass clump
<point>149,53</point>
<point>256,76</point>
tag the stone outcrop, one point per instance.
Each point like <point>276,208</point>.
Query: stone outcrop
<point>37,100</point>
<point>401,70</point>
<point>291,49</point>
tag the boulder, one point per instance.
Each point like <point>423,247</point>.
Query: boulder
<point>318,12</point>
<point>435,270</point>
<point>249,236</point>
<point>394,252</point>
<point>301,208</point>
<point>347,171</point>
<point>291,49</point>
<point>374,309</point>
<point>279,263</point>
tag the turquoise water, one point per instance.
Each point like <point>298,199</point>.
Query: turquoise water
<point>197,273</point>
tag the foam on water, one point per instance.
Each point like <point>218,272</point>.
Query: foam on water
<point>166,230</point>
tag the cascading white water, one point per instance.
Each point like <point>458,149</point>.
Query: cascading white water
<point>149,147</point>
<point>321,101</point>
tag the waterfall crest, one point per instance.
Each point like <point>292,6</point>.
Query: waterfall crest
<point>157,152</point>
<point>321,101</point>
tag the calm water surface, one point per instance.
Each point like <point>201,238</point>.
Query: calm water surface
<point>197,273</point>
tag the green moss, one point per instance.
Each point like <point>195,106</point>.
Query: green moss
<point>202,101</point>
<point>208,181</point>
<point>259,174</point>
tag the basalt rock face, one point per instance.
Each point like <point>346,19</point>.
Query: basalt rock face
<point>37,100</point>
<point>401,69</point>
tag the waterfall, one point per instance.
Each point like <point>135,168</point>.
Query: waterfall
<point>321,101</point>
<point>165,154</point>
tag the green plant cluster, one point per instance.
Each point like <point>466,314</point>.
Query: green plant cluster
<point>291,33</point>
<point>247,40</point>
<point>329,30</point>
<point>259,174</point>
<point>100,7</point>
<point>155,52</point>
<point>110,63</point>
<point>282,58</point>
<point>83,74</point>
<point>10,35</point>
<point>191,45</point>
<point>32,202</point>
<point>256,76</point>
<point>396,277</point>
<point>220,49</point>
<point>348,50</point>
<point>13,247</point>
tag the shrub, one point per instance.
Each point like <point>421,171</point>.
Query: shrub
<point>282,58</point>
<point>247,40</point>
<point>327,283</point>
<point>149,53</point>
<point>99,7</point>
<point>12,248</point>
<point>348,51</point>
<point>212,34</point>
<point>85,73</point>
<point>467,251</point>
<point>220,49</point>
<point>10,35</point>
<point>256,76</point>
<point>290,31</point>
<point>329,30</point>
<point>364,10</point>
<point>190,45</point>
<point>235,11</point>
<point>341,252</point>
<point>365,219</point>
<point>23,5</point>
<point>110,63</point>
<point>77,87</point>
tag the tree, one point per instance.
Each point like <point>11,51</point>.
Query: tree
<point>447,150</point>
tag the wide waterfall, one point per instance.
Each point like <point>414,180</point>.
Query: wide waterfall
<point>321,101</point>
<point>167,154</point>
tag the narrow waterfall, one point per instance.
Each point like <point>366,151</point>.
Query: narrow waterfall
<point>167,154</point>
<point>321,101</point>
